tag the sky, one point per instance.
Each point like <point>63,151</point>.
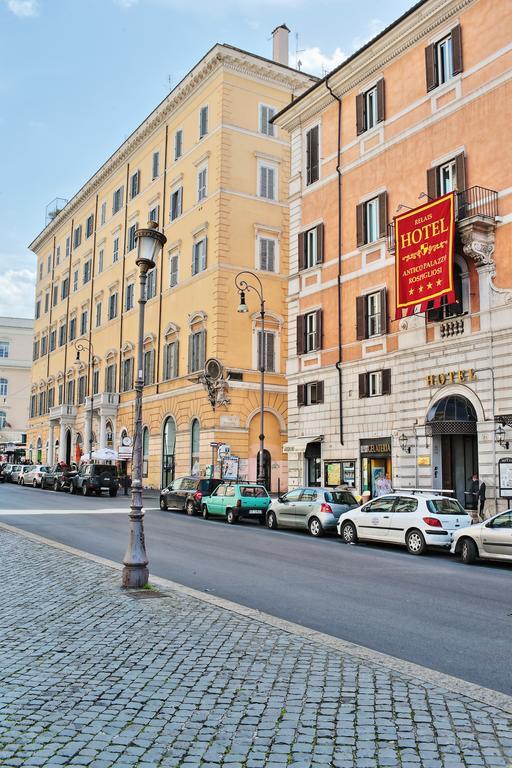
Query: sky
<point>78,76</point>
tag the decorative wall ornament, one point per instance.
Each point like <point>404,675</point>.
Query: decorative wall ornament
<point>214,382</point>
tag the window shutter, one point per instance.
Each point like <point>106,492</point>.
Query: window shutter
<point>300,394</point>
<point>456,50</point>
<point>205,254</point>
<point>363,385</point>
<point>176,358</point>
<point>300,334</point>
<point>381,101</point>
<point>383,214</point>
<point>430,67</point>
<point>302,259</point>
<point>361,317</point>
<point>190,352</point>
<point>360,113</point>
<point>319,243</point>
<point>271,255</point>
<point>319,330</point>
<point>202,348</point>
<point>383,311</point>
<point>386,381</point>
<point>432,183</point>
<point>360,224</point>
<point>460,170</point>
<point>314,154</point>
<point>319,392</point>
<point>270,354</point>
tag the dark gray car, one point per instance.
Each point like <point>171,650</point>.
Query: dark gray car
<point>313,509</point>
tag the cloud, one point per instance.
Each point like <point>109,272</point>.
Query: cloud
<point>314,61</point>
<point>23,8</point>
<point>17,291</point>
<point>374,27</point>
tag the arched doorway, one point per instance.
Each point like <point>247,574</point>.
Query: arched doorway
<point>267,468</point>
<point>68,446</point>
<point>78,447</point>
<point>452,424</point>
<point>39,450</point>
<point>168,451</point>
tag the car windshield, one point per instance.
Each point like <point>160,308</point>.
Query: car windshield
<point>340,497</point>
<point>207,486</point>
<point>445,507</point>
<point>98,469</point>
<point>253,491</point>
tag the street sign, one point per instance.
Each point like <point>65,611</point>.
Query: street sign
<point>223,451</point>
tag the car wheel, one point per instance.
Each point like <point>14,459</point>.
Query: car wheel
<point>21,481</point>
<point>468,551</point>
<point>189,507</point>
<point>348,533</point>
<point>231,517</point>
<point>315,527</point>
<point>205,512</point>
<point>163,504</point>
<point>55,485</point>
<point>415,542</point>
<point>272,521</point>
<point>71,488</point>
<point>112,493</point>
<point>85,490</point>
<point>34,484</point>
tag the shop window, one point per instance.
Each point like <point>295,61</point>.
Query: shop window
<point>311,393</point>
<point>371,220</point>
<point>370,108</point>
<point>443,59</point>
<point>375,383</point>
<point>311,247</point>
<point>371,315</point>
<point>309,332</point>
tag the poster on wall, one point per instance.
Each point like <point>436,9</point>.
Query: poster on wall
<point>505,473</point>
<point>424,239</point>
<point>230,468</point>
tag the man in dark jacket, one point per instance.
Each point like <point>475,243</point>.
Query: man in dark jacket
<point>478,491</point>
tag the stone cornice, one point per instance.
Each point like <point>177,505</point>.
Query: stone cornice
<point>371,59</point>
<point>219,56</point>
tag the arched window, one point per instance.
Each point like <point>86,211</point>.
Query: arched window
<point>168,451</point>
<point>110,434</point>
<point>194,447</point>
<point>3,387</point>
<point>145,451</point>
<point>39,450</point>
<point>3,419</point>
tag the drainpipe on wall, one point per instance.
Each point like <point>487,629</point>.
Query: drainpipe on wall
<point>338,171</point>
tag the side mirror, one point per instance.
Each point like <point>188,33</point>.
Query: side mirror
<point>281,499</point>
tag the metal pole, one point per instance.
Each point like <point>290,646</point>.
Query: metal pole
<point>91,414</point>
<point>135,571</point>
<point>261,468</point>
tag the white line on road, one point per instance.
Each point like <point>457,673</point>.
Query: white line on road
<point>9,512</point>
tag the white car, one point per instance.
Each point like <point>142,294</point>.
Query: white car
<point>490,540</point>
<point>33,475</point>
<point>416,518</point>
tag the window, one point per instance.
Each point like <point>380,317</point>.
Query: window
<point>75,281</point>
<point>46,301</point>
<point>4,349</point>
<point>55,295</point>
<point>89,225</point>
<point>267,254</point>
<point>51,398</point>
<point>103,213</point>
<point>72,329</point>
<point>154,214</point>
<point>115,250</point>
<point>77,236</point>
<point>311,393</point>
<point>64,289</point>
<point>155,166</point>
<point>151,284</point>
<point>131,237</point>
<point>44,345</point>
<point>38,309</point>
<point>203,122</point>
<point>201,183</point>
<point>130,288</point>
<point>135,184</point>
<point>62,335</point>
<point>84,320</point>
<point>98,313</point>
<point>199,256</point>
<point>370,108</point>
<point>371,220</point>
<point>101,255</point>
<point>176,203</point>
<point>95,382</point>
<point>112,306</point>
<point>270,358</point>
<point>196,351</point>
<point>127,378</point>
<point>311,247</point>
<point>35,350</point>
<point>447,177</point>
<point>443,59</point>
<point>3,419</point>
<point>449,310</point>
<point>70,392</point>
<point>49,263</point>
<point>171,360</point>
<point>309,332</point>
<point>267,182</point>
<point>87,271</point>
<point>41,271</point>
<point>3,387</point>
<point>81,390</point>
<point>68,246</point>
<point>178,144</point>
<point>117,200</point>
<point>173,270</point>
<point>149,367</point>
<point>57,255</point>
<point>60,393</point>
<point>266,115</point>
<point>312,155</point>
<point>110,378</point>
<point>375,383</point>
<point>373,314</point>
<point>194,446</point>
<point>405,506</point>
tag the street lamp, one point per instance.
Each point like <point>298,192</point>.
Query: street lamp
<point>84,345</point>
<point>150,242</point>
<point>244,287</point>
<point>403,442</point>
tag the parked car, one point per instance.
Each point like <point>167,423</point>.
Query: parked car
<point>490,540</point>
<point>311,509</point>
<point>235,501</point>
<point>58,477</point>
<point>186,493</point>
<point>34,475</point>
<point>417,519</point>
<point>5,472</point>
<point>13,474</point>
<point>95,478</point>
<point>24,470</point>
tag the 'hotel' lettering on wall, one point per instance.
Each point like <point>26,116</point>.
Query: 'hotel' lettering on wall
<point>451,377</point>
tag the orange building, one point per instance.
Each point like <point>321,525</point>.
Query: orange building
<point>423,109</point>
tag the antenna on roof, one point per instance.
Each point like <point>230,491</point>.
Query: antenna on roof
<point>169,80</point>
<point>298,62</point>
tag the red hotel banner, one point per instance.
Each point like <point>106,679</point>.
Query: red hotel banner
<point>424,255</point>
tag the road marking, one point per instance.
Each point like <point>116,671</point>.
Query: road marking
<point>9,513</point>
<point>413,671</point>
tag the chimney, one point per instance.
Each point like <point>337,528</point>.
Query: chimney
<point>280,44</point>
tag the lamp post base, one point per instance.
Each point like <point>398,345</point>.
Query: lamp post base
<point>135,576</point>
<point>135,562</point>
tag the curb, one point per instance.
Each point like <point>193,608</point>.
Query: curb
<point>477,693</point>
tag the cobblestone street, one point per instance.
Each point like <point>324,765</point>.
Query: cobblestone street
<point>92,676</point>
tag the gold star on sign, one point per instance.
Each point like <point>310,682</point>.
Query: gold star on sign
<point>429,285</point>
<point>438,282</point>
<point>411,291</point>
<point>420,289</point>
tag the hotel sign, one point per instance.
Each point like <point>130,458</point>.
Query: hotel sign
<point>424,256</point>
<point>450,377</point>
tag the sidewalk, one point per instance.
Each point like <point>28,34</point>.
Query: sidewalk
<point>93,676</point>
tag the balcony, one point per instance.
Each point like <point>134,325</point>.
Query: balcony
<point>105,402</point>
<point>476,209</point>
<point>63,411</point>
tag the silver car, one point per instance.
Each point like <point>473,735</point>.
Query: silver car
<point>24,470</point>
<point>490,540</point>
<point>15,473</point>
<point>313,509</point>
<point>33,476</point>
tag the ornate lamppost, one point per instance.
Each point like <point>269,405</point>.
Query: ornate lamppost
<point>84,345</point>
<point>150,242</point>
<point>244,287</point>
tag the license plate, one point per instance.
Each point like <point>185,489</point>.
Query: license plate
<point>255,511</point>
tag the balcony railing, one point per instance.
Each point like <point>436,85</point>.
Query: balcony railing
<point>474,201</point>
<point>62,410</point>
<point>103,398</point>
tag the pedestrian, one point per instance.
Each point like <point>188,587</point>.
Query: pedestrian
<point>478,490</point>
<point>384,485</point>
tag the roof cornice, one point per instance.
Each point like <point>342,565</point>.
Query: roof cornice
<point>218,57</point>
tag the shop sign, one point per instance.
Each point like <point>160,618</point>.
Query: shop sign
<point>505,475</point>
<point>424,256</point>
<point>423,461</point>
<point>375,447</point>
<point>450,377</point>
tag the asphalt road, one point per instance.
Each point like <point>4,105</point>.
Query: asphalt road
<point>431,610</point>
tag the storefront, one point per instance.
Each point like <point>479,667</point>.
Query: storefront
<point>375,462</point>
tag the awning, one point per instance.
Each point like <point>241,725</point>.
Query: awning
<point>299,444</point>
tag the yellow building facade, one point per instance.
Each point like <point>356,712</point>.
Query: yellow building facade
<point>210,168</point>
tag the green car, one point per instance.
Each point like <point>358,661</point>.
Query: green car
<point>234,501</point>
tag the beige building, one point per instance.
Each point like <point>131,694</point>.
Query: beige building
<point>15,379</point>
<point>212,170</point>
